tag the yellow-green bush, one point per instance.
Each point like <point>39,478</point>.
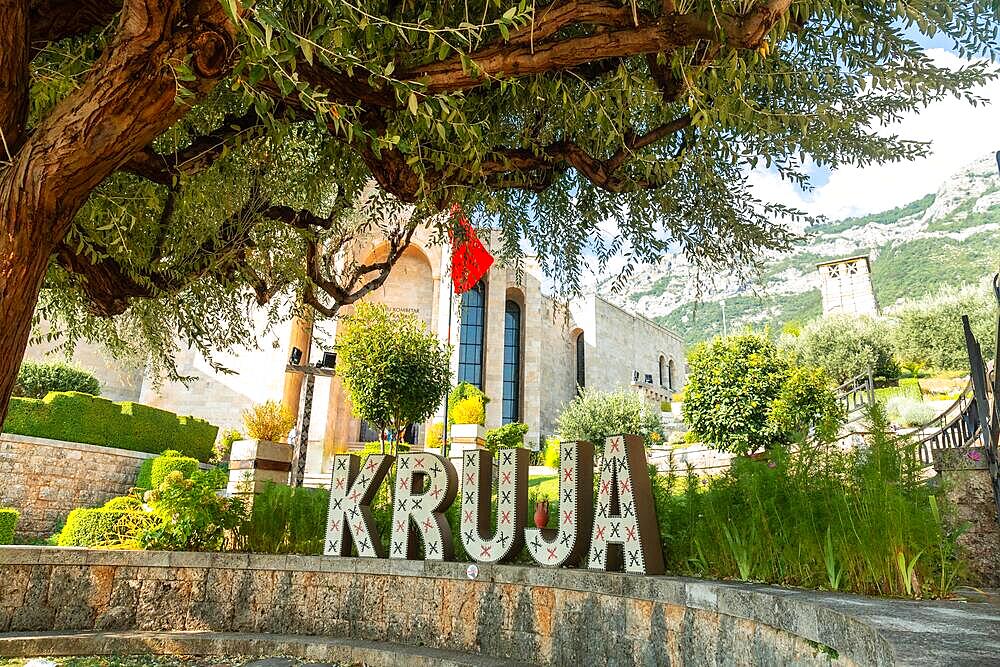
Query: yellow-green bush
<point>268,421</point>
<point>107,528</point>
<point>551,456</point>
<point>469,411</point>
<point>435,433</point>
<point>8,521</point>
<point>168,463</point>
<point>77,417</point>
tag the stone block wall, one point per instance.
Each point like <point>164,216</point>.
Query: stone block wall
<point>523,614</point>
<point>45,479</point>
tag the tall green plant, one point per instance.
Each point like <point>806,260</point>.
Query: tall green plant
<point>285,520</point>
<point>815,516</point>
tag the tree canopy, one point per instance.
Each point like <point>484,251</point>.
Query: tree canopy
<point>167,167</point>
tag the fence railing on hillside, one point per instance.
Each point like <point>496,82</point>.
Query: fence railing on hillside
<point>956,426</point>
<point>855,395</point>
<point>984,395</point>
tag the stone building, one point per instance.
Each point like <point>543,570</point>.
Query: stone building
<point>846,286</point>
<point>527,351</point>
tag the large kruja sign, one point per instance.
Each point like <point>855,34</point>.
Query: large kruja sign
<point>618,532</point>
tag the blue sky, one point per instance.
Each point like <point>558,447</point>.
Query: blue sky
<point>959,134</point>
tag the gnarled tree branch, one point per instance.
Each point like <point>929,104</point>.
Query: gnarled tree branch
<point>15,76</point>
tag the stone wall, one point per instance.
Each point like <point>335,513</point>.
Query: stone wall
<point>46,479</point>
<point>529,614</point>
<point>966,481</point>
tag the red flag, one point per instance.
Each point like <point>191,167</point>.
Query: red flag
<point>470,260</point>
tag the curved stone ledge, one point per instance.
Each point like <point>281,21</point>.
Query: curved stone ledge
<point>526,614</point>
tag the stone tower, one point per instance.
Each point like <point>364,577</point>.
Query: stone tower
<point>846,286</point>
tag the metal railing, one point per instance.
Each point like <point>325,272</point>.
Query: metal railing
<point>855,395</point>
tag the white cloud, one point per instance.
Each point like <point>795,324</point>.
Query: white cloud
<point>959,134</point>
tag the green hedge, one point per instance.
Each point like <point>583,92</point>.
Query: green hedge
<point>8,521</point>
<point>76,417</point>
<point>103,527</point>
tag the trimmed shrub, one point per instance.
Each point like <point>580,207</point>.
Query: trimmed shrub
<point>144,480</point>
<point>508,435</point>
<point>169,462</point>
<point>595,415</point>
<point>36,380</point>
<point>76,417</point>
<point>106,528</point>
<point>123,503</point>
<point>8,521</point>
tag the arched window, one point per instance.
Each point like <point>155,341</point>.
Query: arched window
<point>511,363</point>
<point>581,362</point>
<point>663,371</point>
<point>470,347</point>
<point>670,374</point>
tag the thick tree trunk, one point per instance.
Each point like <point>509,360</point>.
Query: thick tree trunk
<point>128,98</point>
<point>23,260</point>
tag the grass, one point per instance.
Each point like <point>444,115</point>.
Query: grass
<point>547,486</point>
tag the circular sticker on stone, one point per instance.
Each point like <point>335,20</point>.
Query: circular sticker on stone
<point>472,571</point>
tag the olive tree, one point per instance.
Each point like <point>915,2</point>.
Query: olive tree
<point>167,167</point>
<point>395,371</point>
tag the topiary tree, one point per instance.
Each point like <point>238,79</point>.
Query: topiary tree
<point>744,394</point>
<point>35,380</point>
<point>596,415</point>
<point>395,371</point>
<point>847,346</point>
<point>164,164</point>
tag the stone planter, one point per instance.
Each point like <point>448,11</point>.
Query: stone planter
<point>464,437</point>
<point>254,462</point>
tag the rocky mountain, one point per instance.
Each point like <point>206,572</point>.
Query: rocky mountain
<point>945,238</point>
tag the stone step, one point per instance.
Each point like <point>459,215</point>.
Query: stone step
<point>258,648</point>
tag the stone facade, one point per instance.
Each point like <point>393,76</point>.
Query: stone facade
<point>529,614</point>
<point>617,347</point>
<point>846,286</point>
<point>46,479</point>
